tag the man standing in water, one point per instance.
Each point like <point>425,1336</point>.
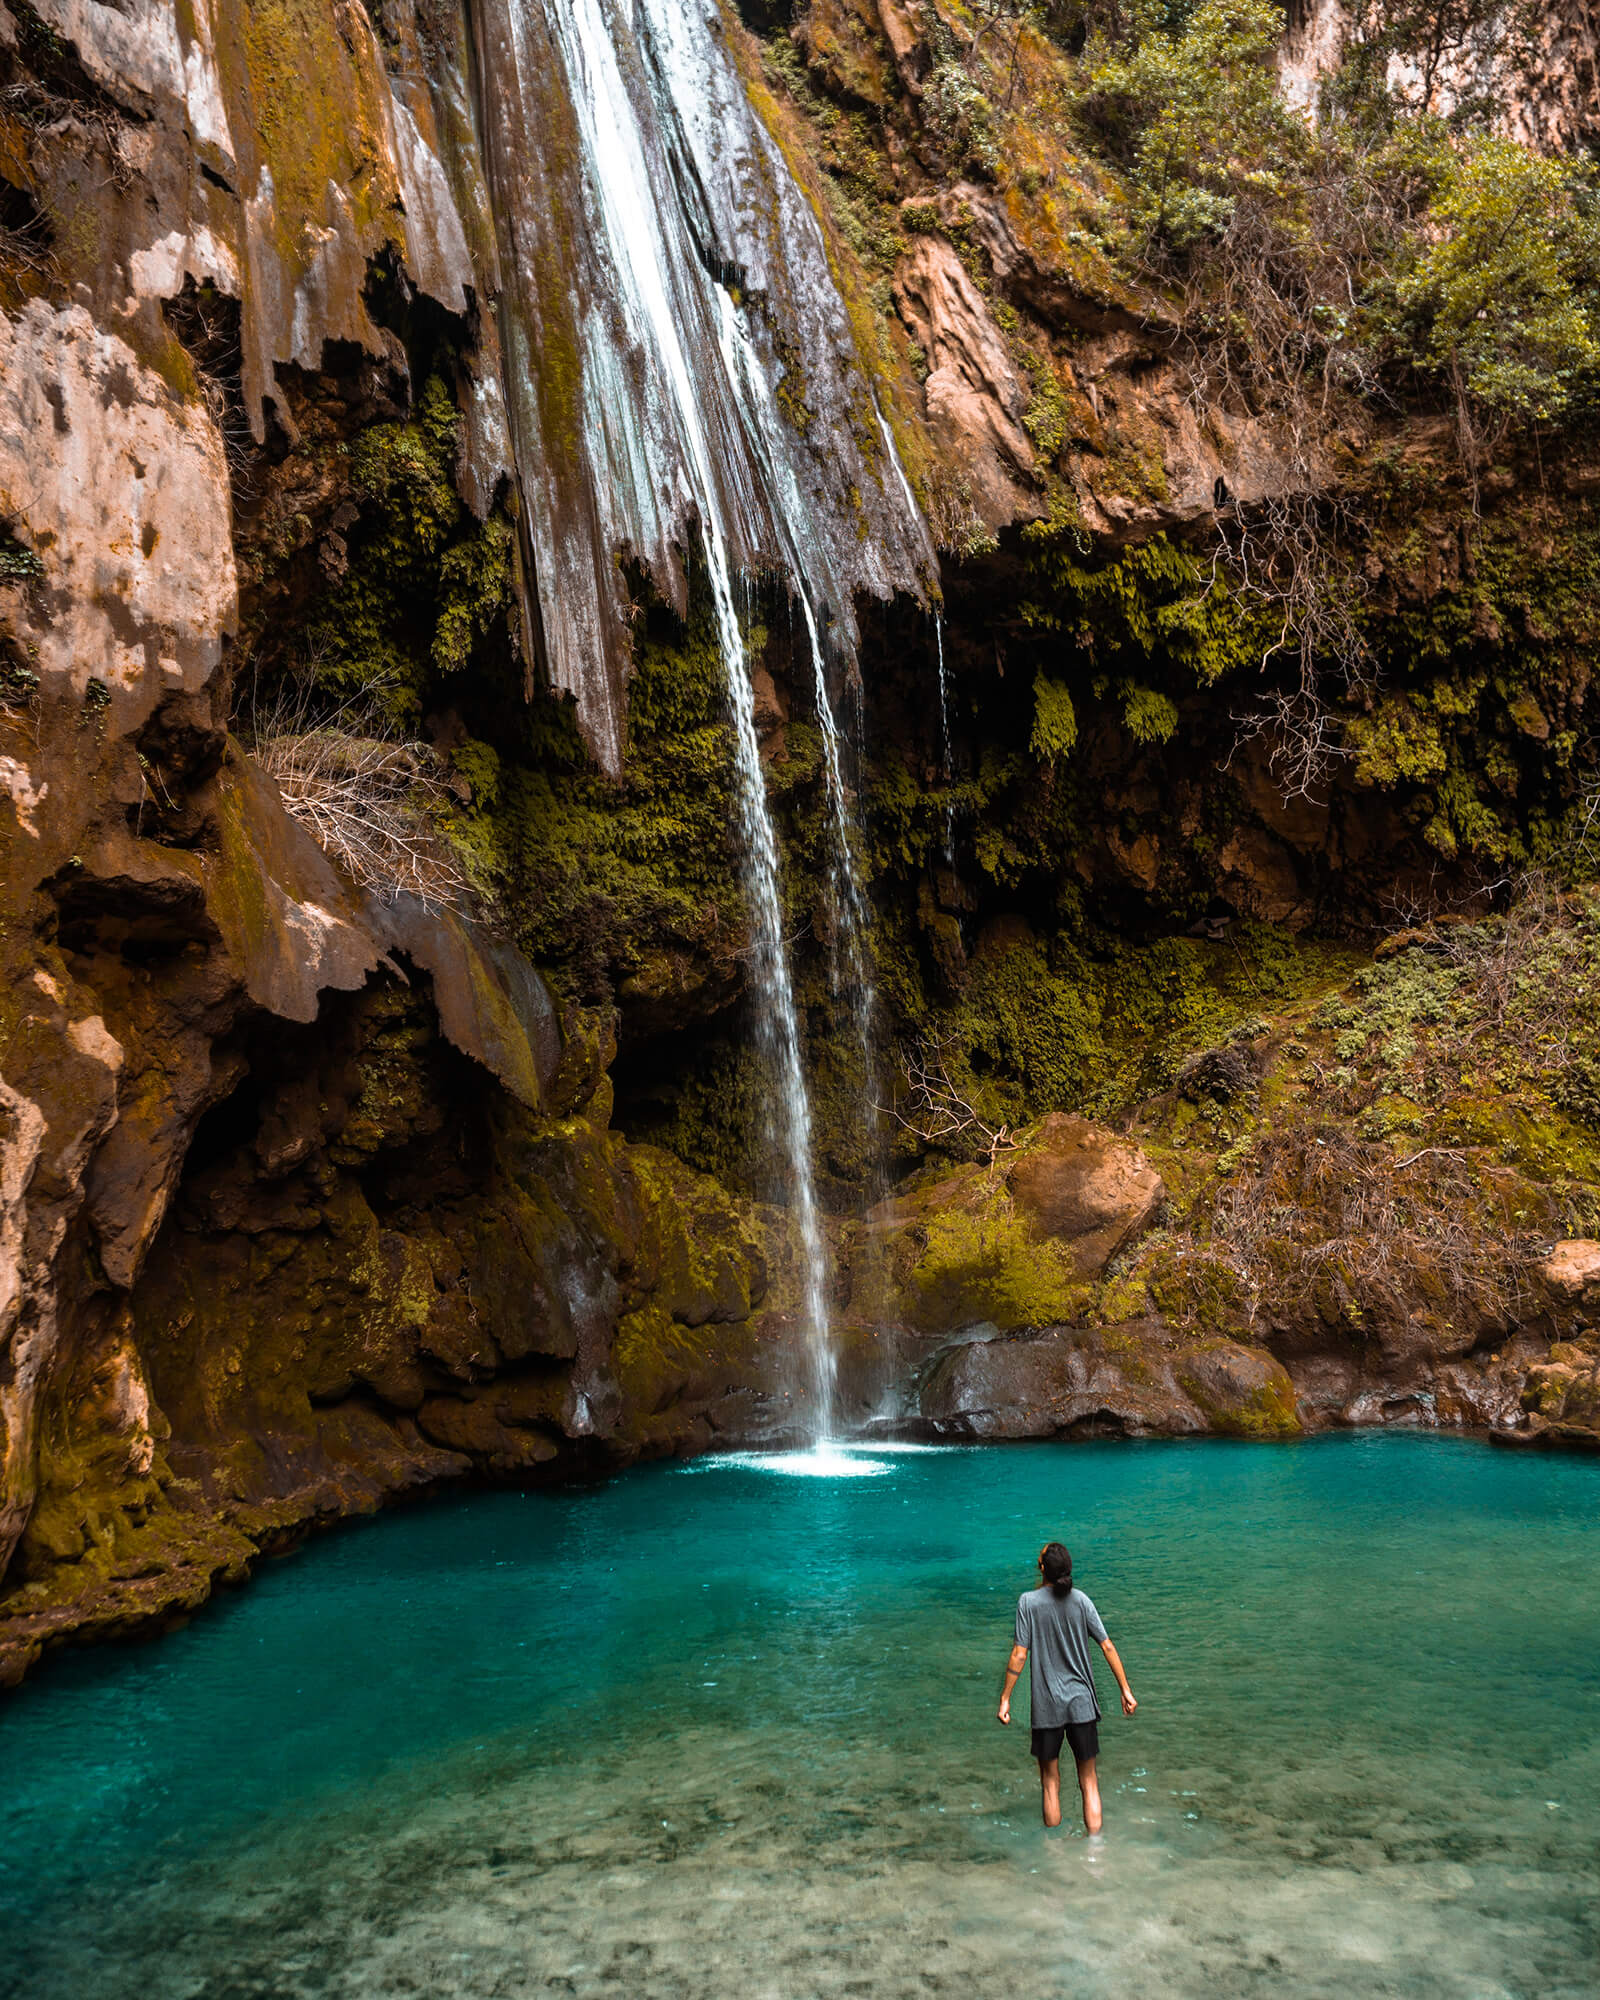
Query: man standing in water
<point>1054,1625</point>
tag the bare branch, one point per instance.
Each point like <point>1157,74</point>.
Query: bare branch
<point>371,800</point>
<point>936,1108</point>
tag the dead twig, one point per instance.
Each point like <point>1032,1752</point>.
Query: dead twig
<point>371,799</point>
<point>937,1109</point>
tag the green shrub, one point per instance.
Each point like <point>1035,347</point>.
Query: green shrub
<point>1198,118</point>
<point>1504,297</point>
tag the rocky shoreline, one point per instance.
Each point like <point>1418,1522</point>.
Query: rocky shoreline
<point>1063,1393</point>
<point>702,1362</point>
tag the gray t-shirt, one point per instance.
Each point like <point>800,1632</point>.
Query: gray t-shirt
<point>1056,1631</point>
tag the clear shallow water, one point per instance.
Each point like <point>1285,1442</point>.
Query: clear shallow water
<point>711,1731</point>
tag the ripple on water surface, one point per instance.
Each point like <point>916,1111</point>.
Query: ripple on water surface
<point>724,1730</point>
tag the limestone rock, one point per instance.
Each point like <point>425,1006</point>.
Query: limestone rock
<point>973,395</point>
<point>1571,1272</point>
<point>771,714</point>
<point>905,32</point>
<point>672,990</point>
<point>1260,876</point>
<point>121,489</point>
<point>1547,97</point>
<point>492,1004</point>
<point>1081,1183</point>
<point>1122,1382</point>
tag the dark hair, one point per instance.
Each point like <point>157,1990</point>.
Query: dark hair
<point>1056,1562</point>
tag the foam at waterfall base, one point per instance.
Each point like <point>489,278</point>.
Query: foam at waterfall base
<point>822,1461</point>
<point>831,1459</point>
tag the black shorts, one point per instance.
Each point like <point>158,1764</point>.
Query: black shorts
<point>1082,1738</point>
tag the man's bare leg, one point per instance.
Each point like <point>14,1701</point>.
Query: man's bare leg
<point>1050,1787</point>
<point>1089,1785</point>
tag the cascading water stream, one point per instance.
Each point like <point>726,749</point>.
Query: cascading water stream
<point>852,947</point>
<point>944,732</point>
<point>777,1024</point>
<point>848,955</point>
<point>608,121</point>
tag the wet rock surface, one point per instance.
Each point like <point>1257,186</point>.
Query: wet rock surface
<point>1078,1183</point>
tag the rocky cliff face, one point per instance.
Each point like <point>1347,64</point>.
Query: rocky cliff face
<point>354,663</point>
<point>1538,66</point>
<point>214,1040</point>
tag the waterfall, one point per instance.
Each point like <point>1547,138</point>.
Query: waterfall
<point>777,1024</point>
<point>944,732</point>
<point>652,245</point>
<point>849,954</point>
<point>633,190</point>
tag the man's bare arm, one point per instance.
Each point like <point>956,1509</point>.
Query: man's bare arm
<point>1115,1664</point>
<point>1014,1666</point>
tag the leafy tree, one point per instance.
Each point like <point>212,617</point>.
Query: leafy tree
<point>1197,115</point>
<point>1504,299</point>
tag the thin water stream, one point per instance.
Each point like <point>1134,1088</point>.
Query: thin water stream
<point>944,737</point>
<point>727,1730</point>
<point>644,240</point>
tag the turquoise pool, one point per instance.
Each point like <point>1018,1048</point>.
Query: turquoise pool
<point>722,1729</point>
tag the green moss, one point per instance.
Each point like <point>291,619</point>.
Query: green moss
<point>1506,1000</point>
<point>1048,417</point>
<point>1060,1027</point>
<point>1147,714</point>
<point>1484,665</point>
<point>1395,742</point>
<point>1155,608</point>
<point>1267,1412</point>
<point>426,582</point>
<point>984,1262</point>
<point>1055,720</point>
<point>316,109</point>
<point>602,874</point>
<point>705,1262</point>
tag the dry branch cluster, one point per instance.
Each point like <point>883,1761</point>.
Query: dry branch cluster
<point>1323,1225</point>
<point>1320,1220</point>
<point>937,1108</point>
<point>372,801</point>
<point>1291,552</point>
